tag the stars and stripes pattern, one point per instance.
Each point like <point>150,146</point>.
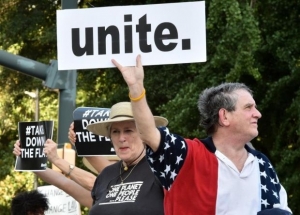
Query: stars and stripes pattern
<point>168,160</point>
<point>168,163</point>
<point>270,185</point>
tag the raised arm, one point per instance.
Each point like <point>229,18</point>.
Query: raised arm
<point>82,195</point>
<point>82,177</point>
<point>134,77</point>
<point>98,162</point>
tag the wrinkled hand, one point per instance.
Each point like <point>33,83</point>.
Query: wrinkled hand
<point>132,75</point>
<point>17,149</point>
<point>50,149</point>
<point>71,134</point>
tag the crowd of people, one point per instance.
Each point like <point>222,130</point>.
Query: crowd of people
<point>160,172</point>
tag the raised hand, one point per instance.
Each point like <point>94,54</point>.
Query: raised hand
<point>133,75</point>
<point>50,149</point>
<point>17,149</point>
<point>71,134</point>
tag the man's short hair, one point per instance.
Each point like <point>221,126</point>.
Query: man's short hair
<point>29,202</point>
<point>212,99</point>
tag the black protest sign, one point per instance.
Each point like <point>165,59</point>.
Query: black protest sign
<point>87,143</point>
<point>33,136</point>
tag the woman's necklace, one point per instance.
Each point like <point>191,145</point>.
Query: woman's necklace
<point>122,180</point>
<point>126,166</point>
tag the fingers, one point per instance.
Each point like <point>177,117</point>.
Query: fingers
<point>50,149</point>
<point>50,144</point>
<point>16,152</point>
<point>71,134</point>
<point>45,151</point>
<point>139,61</point>
<point>17,149</point>
<point>119,66</point>
<point>17,143</point>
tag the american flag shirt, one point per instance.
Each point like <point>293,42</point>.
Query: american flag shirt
<point>199,179</point>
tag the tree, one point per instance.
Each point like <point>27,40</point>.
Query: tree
<point>245,42</point>
<point>279,93</point>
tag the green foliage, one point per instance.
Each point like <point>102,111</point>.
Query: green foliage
<point>279,91</point>
<point>255,42</point>
<point>11,182</point>
<point>233,38</point>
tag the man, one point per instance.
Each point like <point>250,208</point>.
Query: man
<point>219,174</point>
<point>29,203</point>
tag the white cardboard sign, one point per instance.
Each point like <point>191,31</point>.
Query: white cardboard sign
<point>60,203</point>
<point>162,33</point>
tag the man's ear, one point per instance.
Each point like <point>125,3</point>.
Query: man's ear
<point>223,117</point>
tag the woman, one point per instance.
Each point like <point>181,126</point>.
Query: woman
<point>128,186</point>
<point>94,163</point>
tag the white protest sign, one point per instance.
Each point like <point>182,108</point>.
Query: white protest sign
<point>60,203</point>
<point>162,33</point>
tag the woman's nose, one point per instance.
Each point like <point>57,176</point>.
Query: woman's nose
<point>122,137</point>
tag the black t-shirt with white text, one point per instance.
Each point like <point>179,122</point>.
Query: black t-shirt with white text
<point>140,192</point>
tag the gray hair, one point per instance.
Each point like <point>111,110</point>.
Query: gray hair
<point>211,100</point>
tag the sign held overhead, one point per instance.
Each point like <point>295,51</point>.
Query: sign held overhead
<point>162,33</point>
